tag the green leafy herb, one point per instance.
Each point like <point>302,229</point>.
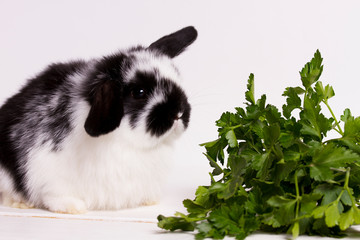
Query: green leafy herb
<point>276,172</point>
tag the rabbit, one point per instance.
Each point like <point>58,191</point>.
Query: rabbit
<point>96,134</point>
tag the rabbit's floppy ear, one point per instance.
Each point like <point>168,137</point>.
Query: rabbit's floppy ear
<point>106,109</point>
<point>175,43</point>
<point>105,95</point>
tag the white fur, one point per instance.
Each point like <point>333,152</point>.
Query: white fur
<point>104,173</point>
<point>147,61</point>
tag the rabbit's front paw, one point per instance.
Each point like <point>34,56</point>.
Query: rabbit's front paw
<point>69,205</point>
<point>15,202</point>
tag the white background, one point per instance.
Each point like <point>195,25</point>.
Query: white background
<point>272,39</point>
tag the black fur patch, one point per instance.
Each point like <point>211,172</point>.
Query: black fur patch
<point>135,106</point>
<point>103,90</point>
<point>175,43</point>
<point>106,109</point>
<point>33,112</point>
<point>163,115</point>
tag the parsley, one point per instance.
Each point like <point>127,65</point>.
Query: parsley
<point>276,172</point>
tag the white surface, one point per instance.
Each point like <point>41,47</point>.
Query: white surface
<point>272,39</point>
<point>41,225</point>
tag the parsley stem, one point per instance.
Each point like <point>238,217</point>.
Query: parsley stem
<point>297,195</point>
<point>346,187</point>
<point>296,185</point>
<point>236,126</point>
<point>333,115</point>
<point>337,131</point>
<point>212,177</point>
<point>340,195</point>
<point>298,199</point>
<point>347,176</point>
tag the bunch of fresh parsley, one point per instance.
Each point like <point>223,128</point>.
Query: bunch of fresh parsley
<point>276,172</point>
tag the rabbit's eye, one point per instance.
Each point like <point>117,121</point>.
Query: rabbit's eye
<point>138,93</point>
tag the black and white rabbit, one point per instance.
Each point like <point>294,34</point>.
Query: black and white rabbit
<point>98,134</point>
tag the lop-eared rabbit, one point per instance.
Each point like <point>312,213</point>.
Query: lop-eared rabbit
<point>97,134</point>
